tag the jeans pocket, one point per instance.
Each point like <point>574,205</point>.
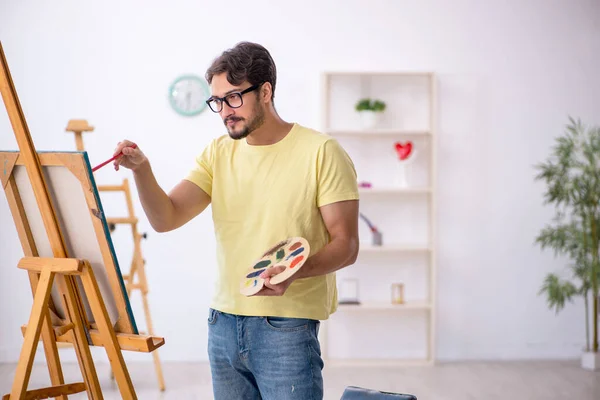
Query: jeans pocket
<point>283,324</point>
<point>212,316</point>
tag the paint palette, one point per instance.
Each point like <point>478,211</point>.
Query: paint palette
<point>290,253</point>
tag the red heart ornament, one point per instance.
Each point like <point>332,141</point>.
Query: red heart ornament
<point>404,151</point>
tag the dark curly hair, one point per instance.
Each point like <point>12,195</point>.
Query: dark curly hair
<point>245,62</point>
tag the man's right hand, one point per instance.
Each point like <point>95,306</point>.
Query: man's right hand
<point>131,158</point>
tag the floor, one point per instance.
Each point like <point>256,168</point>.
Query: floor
<point>445,381</point>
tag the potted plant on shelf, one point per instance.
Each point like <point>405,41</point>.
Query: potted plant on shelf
<point>572,176</point>
<point>370,111</point>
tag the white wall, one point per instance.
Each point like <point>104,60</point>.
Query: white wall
<point>509,75</point>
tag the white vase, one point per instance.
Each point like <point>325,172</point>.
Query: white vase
<point>369,119</point>
<point>403,171</point>
<point>590,360</point>
<point>401,181</point>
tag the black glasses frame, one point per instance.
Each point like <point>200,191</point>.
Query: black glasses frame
<point>220,100</point>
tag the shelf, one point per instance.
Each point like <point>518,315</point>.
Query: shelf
<point>370,305</point>
<point>394,190</point>
<point>378,132</point>
<point>393,248</point>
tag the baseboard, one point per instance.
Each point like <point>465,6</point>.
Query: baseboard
<point>512,352</point>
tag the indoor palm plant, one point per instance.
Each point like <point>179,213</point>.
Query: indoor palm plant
<point>572,176</point>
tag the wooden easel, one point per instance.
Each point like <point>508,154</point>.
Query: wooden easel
<point>78,126</point>
<point>62,269</point>
<point>137,261</point>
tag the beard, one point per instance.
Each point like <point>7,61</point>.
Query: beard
<point>246,128</point>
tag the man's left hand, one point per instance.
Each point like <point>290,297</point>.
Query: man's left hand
<point>270,289</point>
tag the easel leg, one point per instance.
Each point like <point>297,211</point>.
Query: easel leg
<point>144,291</point>
<point>129,281</point>
<point>157,367</point>
<point>52,358</point>
<point>32,335</point>
<point>82,349</point>
<point>131,277</point>
<point>50,349</point>
<point>109,339</point>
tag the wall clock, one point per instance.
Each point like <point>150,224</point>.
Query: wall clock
<point>188,94</point>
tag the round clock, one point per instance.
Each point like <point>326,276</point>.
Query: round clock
<point>188,94</point>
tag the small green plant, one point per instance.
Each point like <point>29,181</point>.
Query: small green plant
<point>370,105</point>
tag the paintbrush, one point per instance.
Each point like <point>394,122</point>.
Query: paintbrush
<point>111,159</point>
<point>371,226</point>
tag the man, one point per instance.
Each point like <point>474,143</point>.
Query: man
<point>266,180</point>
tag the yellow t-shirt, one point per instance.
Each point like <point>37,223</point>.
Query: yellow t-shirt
<point>261,195</point>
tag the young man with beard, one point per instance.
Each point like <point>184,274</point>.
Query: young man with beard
<point>267,180</point>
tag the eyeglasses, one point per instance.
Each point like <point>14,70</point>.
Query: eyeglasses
<point>233,100</point>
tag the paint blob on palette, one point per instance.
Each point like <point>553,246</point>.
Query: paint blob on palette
<point>290,253</point>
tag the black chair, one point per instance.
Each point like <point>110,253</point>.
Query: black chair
<point>358,393</point>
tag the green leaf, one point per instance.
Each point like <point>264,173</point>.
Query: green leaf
<point>557,292</point>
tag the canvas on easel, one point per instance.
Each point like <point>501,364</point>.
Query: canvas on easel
<point>79,293</point>
<point>85,230</point>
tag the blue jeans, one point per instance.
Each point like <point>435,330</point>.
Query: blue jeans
<point>264,357</point>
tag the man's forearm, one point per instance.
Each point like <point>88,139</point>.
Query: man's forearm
<point>156,203</point>
<point>337,254</point>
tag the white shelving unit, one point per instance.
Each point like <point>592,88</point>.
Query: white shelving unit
<point>404,214</point>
